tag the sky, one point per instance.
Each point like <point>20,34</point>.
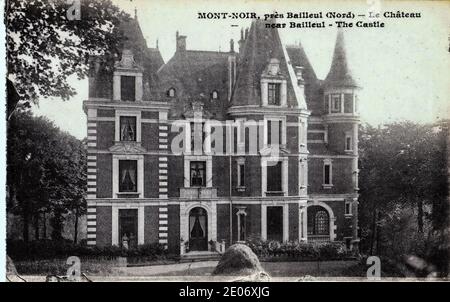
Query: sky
<point>403,68</point>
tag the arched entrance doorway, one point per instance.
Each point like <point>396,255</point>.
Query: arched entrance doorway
<point>198,229</point>
<point>318,224</point>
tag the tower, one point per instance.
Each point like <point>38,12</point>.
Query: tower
<point>341,118</point>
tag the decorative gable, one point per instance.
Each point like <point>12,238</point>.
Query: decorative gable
<point>127,61</point>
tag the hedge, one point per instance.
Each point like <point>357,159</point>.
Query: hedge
<point>300,251</point>
<point>48,249</point>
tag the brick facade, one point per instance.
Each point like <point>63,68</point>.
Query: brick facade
<point>142,188</point>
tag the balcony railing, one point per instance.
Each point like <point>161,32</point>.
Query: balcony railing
<point>198,193</point>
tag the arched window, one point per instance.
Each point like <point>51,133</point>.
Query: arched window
<point>171,92</point>
<point>318,221</point>
<point>214,95</point>
<point>321,223</point>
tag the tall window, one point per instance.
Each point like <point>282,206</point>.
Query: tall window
<point>241,174</point>
<point>128,229</point>
<point>327,174</point>
<point>318,221</point>
<point>197,136</point>
<point>321,223</point>
<point>274,132</point>
<point>240,131</point>
<point>127,176</point>
<point>274,177</point>
<point>128,128</point>
<point>348,142</point>
<point>241,223</point>
<point>273,97</point>
<point>348,207</point>
<point>198,173</point>
<point>335,103</point>
<point>128,88</point>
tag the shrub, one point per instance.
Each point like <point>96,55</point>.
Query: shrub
<point>299,250</point>
<point>48,249</point>
<point>238,259</point>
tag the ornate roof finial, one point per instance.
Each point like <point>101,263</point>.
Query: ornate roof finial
<point>157,43</point>
<point>135,13</point>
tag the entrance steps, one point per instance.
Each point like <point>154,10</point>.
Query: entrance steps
<point>200,256</point>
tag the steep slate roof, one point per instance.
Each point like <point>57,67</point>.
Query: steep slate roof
<point>149,58</point>
<point>261,45</point>
<point>340,74</point>
<point>313,90</point>
<point>195,75</point>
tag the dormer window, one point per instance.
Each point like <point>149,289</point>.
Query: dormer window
<point>171,93</point>
<point>127,79</point>
<point>214,95</point>
<point>128,88</point>
<point>273,96</point>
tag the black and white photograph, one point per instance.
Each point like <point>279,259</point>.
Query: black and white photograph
<point>226,141</point>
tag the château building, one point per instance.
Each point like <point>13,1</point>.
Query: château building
<point>213,148</point>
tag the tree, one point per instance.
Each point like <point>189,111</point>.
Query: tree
<point>403,175</point>
<point>46,172</point>
<point>45,47</point>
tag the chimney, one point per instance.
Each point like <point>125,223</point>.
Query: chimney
<point>246,33</point>
<point>241,41</point>
<point>300,82</point>
<point>231,45</point>
<point>299,74</point>
<point>181,43</point>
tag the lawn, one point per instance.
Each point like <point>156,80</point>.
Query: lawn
<point>274,269</point>
<point>104,267</point>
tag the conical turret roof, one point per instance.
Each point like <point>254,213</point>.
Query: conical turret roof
<point>340,74</point>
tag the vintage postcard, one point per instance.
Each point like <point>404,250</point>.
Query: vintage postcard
<point>208,140</point>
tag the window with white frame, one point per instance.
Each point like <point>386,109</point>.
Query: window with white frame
<point>197,136</point>
<point>274,94</point>
<point>336,103</point>
<point>348,142</point>
<point>241,223</point>
<point>214,95</point>
<point>128,128</point>
<point>274,132</point>
<point>128,88</point>
<point>128,176</point>
<point>198,173</point>
<point>274,176</point>
<point>241,173</point>
<point>348,208</point>
<point>327,173</point>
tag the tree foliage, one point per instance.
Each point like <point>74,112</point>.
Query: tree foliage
<point>45,47</point>
<point>46,171</point>
<point>403,187</point>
